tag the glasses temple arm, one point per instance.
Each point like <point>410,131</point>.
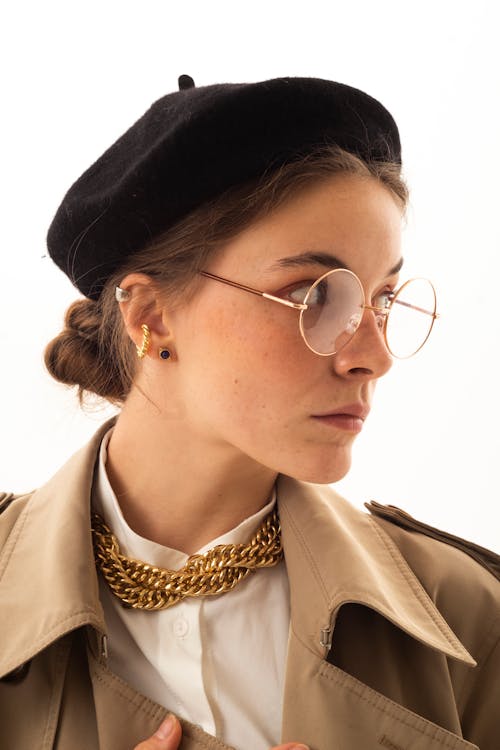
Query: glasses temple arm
<point>230,283</point>
<point>288,303</point>
<point>415,307</point>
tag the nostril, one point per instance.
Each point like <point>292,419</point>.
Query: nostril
<point>361,371</point>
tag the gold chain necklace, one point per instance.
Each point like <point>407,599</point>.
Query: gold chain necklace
<point>144,586</point>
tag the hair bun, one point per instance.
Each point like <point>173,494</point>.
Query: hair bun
<point>73,357</point>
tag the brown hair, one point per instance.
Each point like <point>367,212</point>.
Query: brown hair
<point>94,352</point>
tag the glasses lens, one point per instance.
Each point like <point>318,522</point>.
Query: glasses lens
<point>411,318</point>
<point>334,311</point>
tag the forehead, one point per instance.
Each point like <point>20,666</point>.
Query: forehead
<point>356,219</point>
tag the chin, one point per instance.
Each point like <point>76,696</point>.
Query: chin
<point>324,472</point>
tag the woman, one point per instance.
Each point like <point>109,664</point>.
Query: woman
<point>239,254</point>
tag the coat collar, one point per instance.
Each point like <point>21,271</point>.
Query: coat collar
<point>48,583</point>
<point>334,554</point>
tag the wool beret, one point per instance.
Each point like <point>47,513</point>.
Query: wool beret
<point>191,146</point>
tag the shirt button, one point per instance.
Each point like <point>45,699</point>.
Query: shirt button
<point>181,627</point>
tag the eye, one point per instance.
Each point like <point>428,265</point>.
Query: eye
<point>296,292</point>
<point>384,299</point>
<point>316,293</point>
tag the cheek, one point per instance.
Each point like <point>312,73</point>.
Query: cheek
<point>252,359</point>
<point>257,339</point>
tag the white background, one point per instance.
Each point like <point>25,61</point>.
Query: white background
<point>76,75</point>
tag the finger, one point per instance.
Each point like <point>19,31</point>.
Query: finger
<point>290,746</point>
<point>166,737</point>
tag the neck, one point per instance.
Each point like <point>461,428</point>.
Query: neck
<point>176,488</point>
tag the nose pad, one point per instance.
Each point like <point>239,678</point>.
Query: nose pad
<point>353,323</point>
<point>380,319</point>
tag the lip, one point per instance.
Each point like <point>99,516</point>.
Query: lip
<point>349,417</point>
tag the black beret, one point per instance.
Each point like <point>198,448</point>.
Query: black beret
<point>191,146</point>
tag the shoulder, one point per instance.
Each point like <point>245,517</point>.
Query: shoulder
<point>61,494</point>
<point>397,522</point>
<point>462,578</point>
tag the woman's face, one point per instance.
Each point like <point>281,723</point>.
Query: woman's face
<point>247,382</point>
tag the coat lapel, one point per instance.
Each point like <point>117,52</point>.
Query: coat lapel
<point>327,708</point>
<point>337,555</point>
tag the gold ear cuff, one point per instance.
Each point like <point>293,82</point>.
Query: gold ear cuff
<point>142,350</point>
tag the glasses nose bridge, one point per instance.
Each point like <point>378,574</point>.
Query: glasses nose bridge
<point>381,314</point>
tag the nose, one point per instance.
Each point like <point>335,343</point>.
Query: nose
<point>365,354</point>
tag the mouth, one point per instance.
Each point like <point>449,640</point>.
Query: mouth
<point>349,418</point>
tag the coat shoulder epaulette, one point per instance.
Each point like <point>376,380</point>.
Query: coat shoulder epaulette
<point>485,557</point>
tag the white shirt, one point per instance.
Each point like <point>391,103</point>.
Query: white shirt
<point>217,661</point>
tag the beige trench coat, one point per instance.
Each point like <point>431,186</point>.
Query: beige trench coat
<point>394,639</point>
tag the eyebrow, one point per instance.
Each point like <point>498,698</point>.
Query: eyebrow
<point>322,259</point>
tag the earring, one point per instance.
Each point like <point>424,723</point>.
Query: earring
<point>146,338</point>
<point>121,295</point>
<point>164,353</point>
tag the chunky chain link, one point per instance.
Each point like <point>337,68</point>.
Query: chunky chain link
<point>144,586</point>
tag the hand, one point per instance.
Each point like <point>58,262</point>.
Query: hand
<point>168,737</point>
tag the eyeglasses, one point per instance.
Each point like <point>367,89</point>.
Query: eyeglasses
<point>331,310</point>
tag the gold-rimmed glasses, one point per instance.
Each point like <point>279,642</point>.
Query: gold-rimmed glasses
<point>332,308</point>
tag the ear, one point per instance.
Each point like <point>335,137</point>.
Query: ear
<point>144,305</point>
